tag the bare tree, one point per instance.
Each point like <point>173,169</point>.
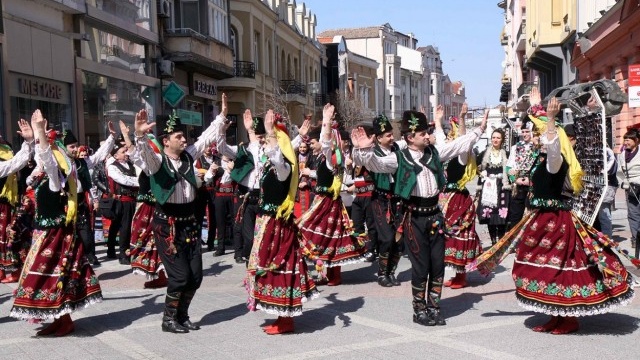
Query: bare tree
<point>351,111</point>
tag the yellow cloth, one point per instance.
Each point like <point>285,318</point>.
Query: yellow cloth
<point>470,171</point>
<point>10,188</point>
<point>286,208</point>
<point>575,170</point>
<point>72,199</point>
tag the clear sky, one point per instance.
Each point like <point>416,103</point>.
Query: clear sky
<point>467,33</point>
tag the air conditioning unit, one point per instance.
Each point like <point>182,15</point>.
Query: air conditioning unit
<point>166,68</point>
<point>164,8</point>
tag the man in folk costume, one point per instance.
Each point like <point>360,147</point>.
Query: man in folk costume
<point>248,160</point>
<point>462,244</point>
<point>83,224</point>
<point>123,182</point>
<point>521,159</point>
<point>56,279</point>
<point>385,206</point>
<point>219,176</point>
<point>205,197</point>
<point>419,176</point>
<point>10,164</point>
<point>309,174</point>
<point>277,276</point>
<point>175,229</point>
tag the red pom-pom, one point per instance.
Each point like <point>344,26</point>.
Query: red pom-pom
<point>282,127</point>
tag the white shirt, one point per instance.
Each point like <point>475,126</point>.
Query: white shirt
<point>118,176</point>
<point>17,162</point>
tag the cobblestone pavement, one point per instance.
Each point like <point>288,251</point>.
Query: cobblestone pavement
<point>357,320</point>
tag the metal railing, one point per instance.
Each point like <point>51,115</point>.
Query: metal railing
<point>187,32</point>
<point>293,87</point>
<point>245,69</point>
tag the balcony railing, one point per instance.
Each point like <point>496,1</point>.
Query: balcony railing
<point>187,32</point>
<point>321,99</point>
<point>523,29</point>
<point>293,87</point>
<point>525,88</point>
<point>245,69</point>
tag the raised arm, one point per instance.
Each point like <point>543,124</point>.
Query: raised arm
<point>272,150</point>
<point>550,140</point>
<point>144,156</point>
<point>21,158</point>
<point>463,143</point>
<point>44,154</point>
<point>363,154</point>
<point>104,149</point>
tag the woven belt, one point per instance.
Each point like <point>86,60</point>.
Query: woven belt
<point>365,189</point>
<point>225,189</point>
<point>421,210</point>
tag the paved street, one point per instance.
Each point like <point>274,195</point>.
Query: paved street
<point>357,320</point>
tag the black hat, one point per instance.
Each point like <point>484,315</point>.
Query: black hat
<point>258,126</point>
<point>570,130</point>
<point>169,124</point>
<point>314,133</point>
<point>414,121</point>
<point>119,143</point>
<point>68,138</point>
<point>381,125</point>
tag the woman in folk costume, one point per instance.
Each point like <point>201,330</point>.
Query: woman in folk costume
<point>14,237</point>
<point>11,246</point>
<point>494,192</point>
<point>563,267</point>
<point>56,279</point>
<point>145,259</point>
<point>277,276</point>
<point>462,244</point>
<point>326,229</point>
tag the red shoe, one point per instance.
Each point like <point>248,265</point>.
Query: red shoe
<point>460,281</point>
<point>273,324</point>
<point>66,326</point>
<point>11,278</point>
<point>52,328</point>
<point>334,274</point>
<point>566,325</point>
<point>448,282</point>
<point>285,326</point>
<point>160,282</point>
<point>548,326</point>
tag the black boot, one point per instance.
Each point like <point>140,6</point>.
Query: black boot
<point>391,269</point>
<point>420,315</point>
<point>383,279</point>
<point>169,322</point>
<point>183,310</point>
<point>436,316</point>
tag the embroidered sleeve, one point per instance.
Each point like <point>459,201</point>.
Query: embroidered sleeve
<point>554,155</point>
<point>20,159</point>
<point>101,153</point>
<point>145,158</point>
<point>116,175</point>
<point>378,164</point>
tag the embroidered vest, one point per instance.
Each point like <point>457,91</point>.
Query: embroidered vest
<point>124,190</point>
<point>163,182</point>
<point>381,181</point>
<point>144,191</point>
<point>50,211</point>
<point>243,164</point>
<point>406,174</point>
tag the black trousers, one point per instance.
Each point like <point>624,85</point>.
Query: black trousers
<point>121,224</point>
<point>184,264</point>
<point>244,230</point>
<point>224,210</point>
<point>425,244</point>
<point>385,213</point>
<point>517,205</point>
<point>361,214</point>
<point>205,200</point>
<point>84,228</point>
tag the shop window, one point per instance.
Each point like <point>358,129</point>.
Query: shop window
<point>58,115</point>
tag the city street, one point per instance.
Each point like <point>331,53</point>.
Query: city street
<point>357,320</point>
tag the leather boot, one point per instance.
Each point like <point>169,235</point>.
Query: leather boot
<point>169,321</point>
<point>336,276</point>
<point>183,310</point>
<point>383,279</point>
<point>391,269</point>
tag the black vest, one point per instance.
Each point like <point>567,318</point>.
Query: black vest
<point>455,171</point>
<point>547,186</point>
<point>83,174</point>
<point>124,190</point>
<point>272,191</point>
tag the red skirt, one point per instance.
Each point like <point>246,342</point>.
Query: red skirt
<point>278,280</point>
<point>143,252</point>
<point>56,279</point>
<point>462,244</point>
<point>303,202</point>
<point>327,233</point>
<point>15,245</point>
<point>563,267</point>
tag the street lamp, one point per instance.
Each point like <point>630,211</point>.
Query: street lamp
<point>314,90</point>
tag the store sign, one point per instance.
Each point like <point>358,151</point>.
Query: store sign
<point>38,88</point>
<point>204,87</point>
<point>190,117</point>
<point>634,85</point>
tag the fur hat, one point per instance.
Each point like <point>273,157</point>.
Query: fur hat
<point>169,124</point>
<point>381,125</point>
<point>414,121</point>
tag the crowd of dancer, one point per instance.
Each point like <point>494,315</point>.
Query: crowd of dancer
<point>303,207</point>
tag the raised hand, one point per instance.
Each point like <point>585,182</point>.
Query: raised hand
<point>439,114</point>
<point>247,120</point>
<point>327,112</point>
<point>553,107</point>
<point>534,96</point>
<point>124,129</point>
<point>111,127</point>
<point>224,108</point>
<point>464,110</point>
<point>37,121</point>
<point>359,138</point>
<point>141,126</point>
<point>304,129</point>
<point>25,130</point>
<point>269,120</point>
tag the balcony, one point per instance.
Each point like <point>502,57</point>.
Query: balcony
<point>68,6</point>
<point>197,52</point>
<point>521,38</point>
<point>294,91</point>
<point>244,77</point>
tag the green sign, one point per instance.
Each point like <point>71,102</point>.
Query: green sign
<point>173,94</point>
<point>190,117</point>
